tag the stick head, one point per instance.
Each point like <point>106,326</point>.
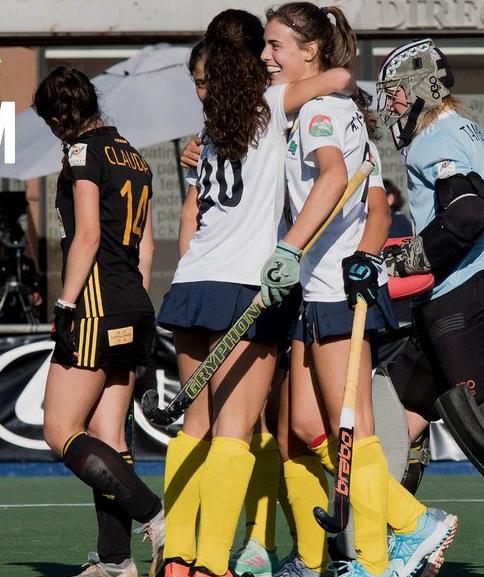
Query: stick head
<point>149,406</point>
<point>334,524</point>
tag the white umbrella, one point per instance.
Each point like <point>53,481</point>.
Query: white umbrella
<point>150,98</point>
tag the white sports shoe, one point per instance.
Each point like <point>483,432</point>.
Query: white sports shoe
<point>97,569</point>
<point>154,530</point>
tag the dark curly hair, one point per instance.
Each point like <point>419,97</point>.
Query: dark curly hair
<point>363,101</point>
<point>235,109</point>
<point>337,42</point>
<point>66,99</point>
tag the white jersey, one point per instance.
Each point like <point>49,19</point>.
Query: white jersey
<point>240,207</point>
<point>329,121</point>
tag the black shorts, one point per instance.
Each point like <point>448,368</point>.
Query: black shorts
<point>448,350</point>
<point>113,342</point>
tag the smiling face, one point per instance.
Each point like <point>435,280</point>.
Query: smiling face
<point>285,60</point>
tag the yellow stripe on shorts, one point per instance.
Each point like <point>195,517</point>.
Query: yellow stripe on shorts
<point>80,350</point>
<point>100,307</point>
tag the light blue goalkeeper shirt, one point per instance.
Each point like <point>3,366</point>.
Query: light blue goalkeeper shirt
<point>453,144</point>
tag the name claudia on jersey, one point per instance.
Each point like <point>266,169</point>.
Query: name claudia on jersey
<point>7,131</point>
<point>120,157</point>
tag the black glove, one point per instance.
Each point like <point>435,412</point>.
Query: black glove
<point>62,332</point>
<point>360,277</point>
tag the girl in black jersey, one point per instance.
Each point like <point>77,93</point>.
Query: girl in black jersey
<point>103,320</point>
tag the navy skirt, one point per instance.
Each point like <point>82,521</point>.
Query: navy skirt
<point>323,320</point>
<point>214,306</point>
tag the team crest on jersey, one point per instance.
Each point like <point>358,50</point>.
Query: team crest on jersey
<point>446,168</point>
<point>292,148</point>
<point>321,125</point>
<point>77,154</point>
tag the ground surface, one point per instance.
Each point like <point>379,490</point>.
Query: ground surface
<point>48,525</point>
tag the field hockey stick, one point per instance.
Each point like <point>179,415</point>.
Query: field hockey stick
<point>344,456</point>
<point>202,375</point>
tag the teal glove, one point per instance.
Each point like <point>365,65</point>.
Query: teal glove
<point>280,273</point>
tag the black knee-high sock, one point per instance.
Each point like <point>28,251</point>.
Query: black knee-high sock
<point>114,525</point>
<point>103,469</point>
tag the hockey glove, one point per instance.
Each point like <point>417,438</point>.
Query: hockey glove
<point>62,332</point>
<point>360,277</point>
<point>280,273</point>
<point>407,258</point>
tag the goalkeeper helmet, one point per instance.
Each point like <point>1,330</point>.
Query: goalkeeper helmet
<point>420,74</point>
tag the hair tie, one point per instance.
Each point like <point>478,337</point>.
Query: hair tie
<point>324,10</point>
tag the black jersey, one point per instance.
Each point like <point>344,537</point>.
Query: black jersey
<point>124,179</point>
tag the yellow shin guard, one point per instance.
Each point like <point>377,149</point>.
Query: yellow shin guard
<point>307,487</point>
<point>286,508</point>
<point>403,507</point>
<point>368,495</point>
<point>183,471</point>
<point>261,498</point>
<point>223,488</point>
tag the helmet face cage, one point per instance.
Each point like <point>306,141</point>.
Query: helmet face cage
<point>386,95</point>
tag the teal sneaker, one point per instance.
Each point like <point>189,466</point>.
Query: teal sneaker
<point>296,567</point>
<point>422,550</point>
<point>253,558</point>
<point>356,569</point>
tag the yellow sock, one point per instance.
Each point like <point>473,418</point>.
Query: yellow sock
<point>307,487</point>
<point>368,495</point>
<point>286,508</point>
<point>325,449</point>
<point>261,498</point>
<point>183,470</point>
<point>403,507</point>
<point>223,488</point>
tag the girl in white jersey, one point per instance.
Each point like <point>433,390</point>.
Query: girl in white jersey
<point>238,204</point>
<point>327,144</point>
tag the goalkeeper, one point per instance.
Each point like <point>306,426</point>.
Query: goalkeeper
<point>444,157</point>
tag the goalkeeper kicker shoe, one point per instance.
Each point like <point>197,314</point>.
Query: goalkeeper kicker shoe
<point>97,569</point>
<point>253,558</point>
<point>421,552</point>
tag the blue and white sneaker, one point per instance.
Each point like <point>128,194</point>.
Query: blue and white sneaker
<point>356,569</point>
<point>422,551</point>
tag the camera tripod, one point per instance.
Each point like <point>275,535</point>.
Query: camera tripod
<point>13,288</point>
